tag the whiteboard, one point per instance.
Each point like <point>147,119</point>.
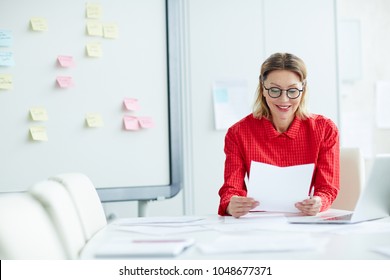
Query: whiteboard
<point>123,164</point>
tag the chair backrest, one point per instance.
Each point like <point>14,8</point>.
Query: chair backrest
<point>59,205</point>
<point>351,178</point>
<point>26,231</point>
<point>86,201</point>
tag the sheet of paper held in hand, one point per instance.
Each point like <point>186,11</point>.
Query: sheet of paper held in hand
<point>279,188</point>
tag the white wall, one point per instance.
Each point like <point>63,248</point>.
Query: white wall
<point>358,96</point>
<point>230,39</point>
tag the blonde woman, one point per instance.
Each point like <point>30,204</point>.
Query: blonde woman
<point>281,132</point>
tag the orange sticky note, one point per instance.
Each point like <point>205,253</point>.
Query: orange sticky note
<point>131,123</point>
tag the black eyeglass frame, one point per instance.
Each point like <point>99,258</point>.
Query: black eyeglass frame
<point>281,92</point>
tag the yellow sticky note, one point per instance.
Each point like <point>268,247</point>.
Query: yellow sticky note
<point>94,120</point>
<point>38,133</point>
<point>6,81</point>
<point>94,10</point>
<point>110,30</point>
<point>94,28</point>
<point>94,50</point>
<point>38,24</point>
<point>38,114</point>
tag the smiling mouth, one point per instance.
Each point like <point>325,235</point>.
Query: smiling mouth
<point>283,107</point>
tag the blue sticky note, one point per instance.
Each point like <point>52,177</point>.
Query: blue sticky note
<point>221,95</point>
<point>5,38</point>
<point>6,59</point>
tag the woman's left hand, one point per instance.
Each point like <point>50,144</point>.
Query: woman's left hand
<point>310,206</point>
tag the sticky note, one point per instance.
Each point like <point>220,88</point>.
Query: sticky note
<point>146,122</point>
<point>66,60</point>
<point>6,59</point>
<point>94,120</point>
<point>94,28</point>
<point>38,133</point>
<point>94,50</point>
<point>94,10</point>
<point>38,24</point>
<point>38,114</point>
<point>131,123</point>
<point>5,38</point>
<point>131,104</point>
<point>6,81</point>
<point>64,81</point>
<point>110,30</point>
<point>221,95</point>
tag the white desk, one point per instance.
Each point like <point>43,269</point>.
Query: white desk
<point>350,242</point>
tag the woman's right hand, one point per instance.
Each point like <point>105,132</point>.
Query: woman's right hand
<point>241,205</point>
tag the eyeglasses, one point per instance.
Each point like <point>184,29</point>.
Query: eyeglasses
<point>275,92</point>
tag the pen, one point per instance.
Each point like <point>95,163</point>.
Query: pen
<point>312,192</point>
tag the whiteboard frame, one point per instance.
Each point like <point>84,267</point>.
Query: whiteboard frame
<point>148,193</point>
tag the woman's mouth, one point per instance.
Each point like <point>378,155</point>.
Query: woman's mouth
<point>283,107</point>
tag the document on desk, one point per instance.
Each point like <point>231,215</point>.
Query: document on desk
<point>143,247</point>
<point>279,188</point>
<point>261,242</point>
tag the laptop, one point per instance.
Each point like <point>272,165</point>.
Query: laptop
<point>373,203</point>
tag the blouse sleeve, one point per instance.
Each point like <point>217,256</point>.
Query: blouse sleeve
<point>234,173</point>
<point>327,175</point>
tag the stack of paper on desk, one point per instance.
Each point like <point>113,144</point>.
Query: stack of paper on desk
<point>125,248</point>
<point>161,225</point>
<point>279,188</point>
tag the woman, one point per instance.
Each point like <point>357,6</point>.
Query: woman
<point>281,132</point>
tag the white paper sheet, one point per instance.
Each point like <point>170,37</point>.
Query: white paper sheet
<point>145,247</point>
<point>266,242</point>
<point>279,188</point>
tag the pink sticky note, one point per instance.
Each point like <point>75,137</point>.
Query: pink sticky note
<point>146,122</point>
<point>64,81</point>
<point>131,104</point>
<point>131,123</point>
<point>65,60</point>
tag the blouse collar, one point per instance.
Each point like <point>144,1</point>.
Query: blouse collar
<point>291,132</point>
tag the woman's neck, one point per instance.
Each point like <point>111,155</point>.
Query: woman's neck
<point>282,125</point>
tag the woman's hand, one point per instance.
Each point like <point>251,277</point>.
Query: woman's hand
<point>241,205</point>
<point>310,206</point>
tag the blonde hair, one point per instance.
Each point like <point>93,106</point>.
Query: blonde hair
<point>280,61</point>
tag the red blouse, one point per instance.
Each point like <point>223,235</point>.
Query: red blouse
<point>313,140</point>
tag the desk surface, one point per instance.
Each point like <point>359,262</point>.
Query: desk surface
<point>349,242</point>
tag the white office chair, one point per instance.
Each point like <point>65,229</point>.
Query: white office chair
<point>351,178</point>
<point>86,201</point>
<point>62,211</point>
<point>26,231</point>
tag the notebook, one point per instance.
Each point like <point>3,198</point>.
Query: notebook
<point>373,203</point>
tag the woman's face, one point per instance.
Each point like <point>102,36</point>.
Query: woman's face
<point>282,108</point>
